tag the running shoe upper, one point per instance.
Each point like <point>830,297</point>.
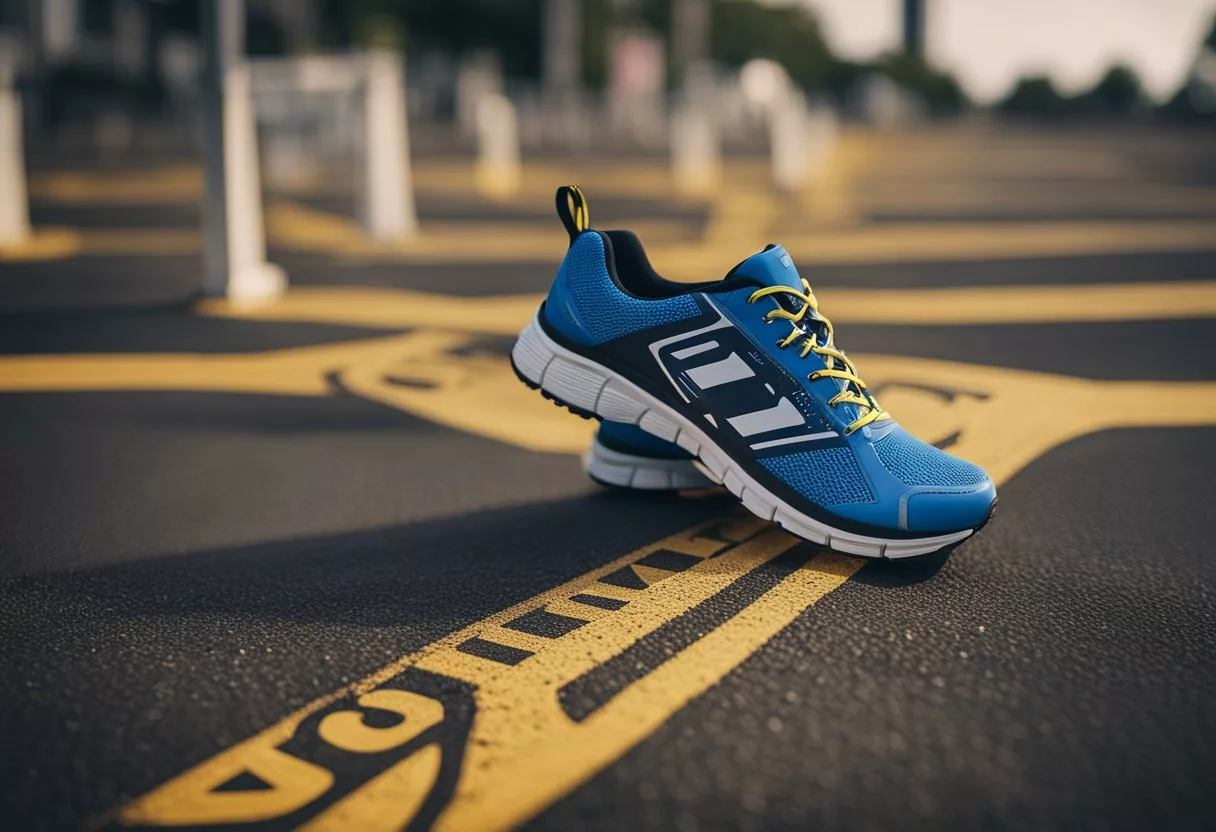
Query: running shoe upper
<point>764,378</point>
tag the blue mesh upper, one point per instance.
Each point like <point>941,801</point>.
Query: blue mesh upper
<point>914,462</point>
<point>585,299</point>
<point>631,439</point>
<point>827,477</point>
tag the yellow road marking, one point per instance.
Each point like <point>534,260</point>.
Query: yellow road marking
<point>434,375</point>
<point>43,244</point>
<point>296,226</point>
<point>525,747</point>
<point>388,802</point>
<point>175,183</point>
<point>738,226</point>
<point>507,314</point>
<point>1022,304</point>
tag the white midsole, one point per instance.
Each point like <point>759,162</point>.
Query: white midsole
<point>593,387</point>
<point>642,472</point>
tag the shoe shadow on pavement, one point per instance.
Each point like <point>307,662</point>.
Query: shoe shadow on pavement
<point>893,574</point>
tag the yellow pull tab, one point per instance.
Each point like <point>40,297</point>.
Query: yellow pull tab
<point>573,211</point>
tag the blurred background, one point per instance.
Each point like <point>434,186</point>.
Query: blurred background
<point>261,266</point>
<point>816,89</point>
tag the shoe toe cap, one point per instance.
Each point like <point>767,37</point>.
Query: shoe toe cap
<point>949,510</point>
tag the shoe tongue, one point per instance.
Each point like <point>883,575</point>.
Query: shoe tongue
<point>771,267</point>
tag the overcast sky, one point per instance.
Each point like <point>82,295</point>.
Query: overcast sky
<point>990,43</point>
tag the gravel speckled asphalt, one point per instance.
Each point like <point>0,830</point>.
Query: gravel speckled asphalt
<point>180,570</point>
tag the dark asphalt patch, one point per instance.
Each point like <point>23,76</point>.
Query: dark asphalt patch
<point>165,329</point>
<point>100,281</point>
<point>122,676</point>
<point>179,215</point>
<point>1054,673</point>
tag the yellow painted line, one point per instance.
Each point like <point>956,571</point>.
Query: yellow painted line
<point>524,750</point>
<point>43,244</point>
<point>65,243</point>
<point>1022,304</point>
<point>1005,417</point>
<point>507,314</point>
<point>1047,197</point>
<point>1001,240</point>
<point>175,183</point>
<point>300,227</point>
<point>395,308</point>
<point>292,372</point>
<point>730,239</point>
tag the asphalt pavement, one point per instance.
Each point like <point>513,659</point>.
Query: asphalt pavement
<point>329,566</point>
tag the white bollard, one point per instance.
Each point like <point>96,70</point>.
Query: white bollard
<point>789,142</point>
<point>388,189</point>
<point>250,277</point>
<point>696,157</point>
<point>498,165</point>
<point>14,202</point>
<point>822,129</point>
<point>477,76</point>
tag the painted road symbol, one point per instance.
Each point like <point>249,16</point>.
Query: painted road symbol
<point>489,725</point>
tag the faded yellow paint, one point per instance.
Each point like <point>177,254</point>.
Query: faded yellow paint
<point>738,225</point>
<point>43,244</point>
<point>528,751</point>
<point>387,802</point>
<point>292,372</point>
<point>295,226</point>
<point>64,243</point>
<point>387,308</point>
<point>291,783</point>
<point>438,373</point>
<point>507,314</point>
<point>175,183</point>
<point>348,731</point>
<point>1008,418</point>
<point>525,750</point>
<point>1022,304</point>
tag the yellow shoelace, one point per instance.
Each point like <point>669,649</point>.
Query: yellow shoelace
<point>838,366</point>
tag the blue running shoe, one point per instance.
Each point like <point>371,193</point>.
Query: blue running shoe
<point>744,373</point>
<point>628,457</point>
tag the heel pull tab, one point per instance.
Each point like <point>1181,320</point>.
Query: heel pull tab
<point>573,211</point>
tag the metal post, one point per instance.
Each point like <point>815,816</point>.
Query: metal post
<point>60,24</point>
<point>689,35</point>
<point>563,53</point>
<point>914,27</point>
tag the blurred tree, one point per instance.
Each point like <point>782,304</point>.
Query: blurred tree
<point>1034,96</point>
<point>941,91</point>
<point>1117,94</point>
<point>739,31</point>
<point>1195,101</point>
